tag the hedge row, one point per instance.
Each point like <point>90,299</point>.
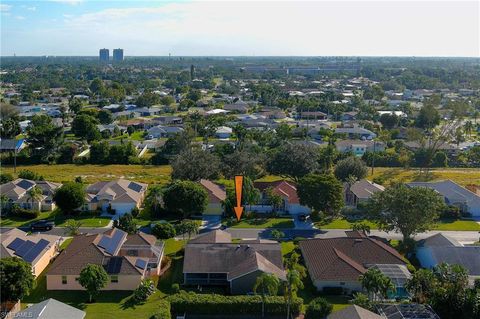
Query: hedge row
<point>163,312</point>
<point>193,303</point>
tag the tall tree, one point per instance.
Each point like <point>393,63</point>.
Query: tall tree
<point>93,278</point>
<point>376,283</point>
<point>16,279</point>
<point>185,197</point>
<point>34,195</point>
<point>290,288</point>
<point>406,209</point>
<point>126,223</point>
<point>69,197</point>
<point>350,166</point>
<point>44,137</point>
<point>293,161</point>
<point>195,164</point>
<point>85,127</point>
<point>321,192</point>
<point>266,284</point>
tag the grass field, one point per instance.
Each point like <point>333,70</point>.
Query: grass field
<point>459,225</point>
<point>87,220</point>
<point>459,175</point>
<point>93,173</point>
<point>264,223</point>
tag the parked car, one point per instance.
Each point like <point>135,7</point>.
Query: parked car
<point>42,225</point>
<point>302,217</point>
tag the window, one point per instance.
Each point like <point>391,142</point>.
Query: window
<point>114,279</point>
<point>64,280</point>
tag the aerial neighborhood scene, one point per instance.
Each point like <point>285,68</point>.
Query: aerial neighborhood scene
<point>240,160</point>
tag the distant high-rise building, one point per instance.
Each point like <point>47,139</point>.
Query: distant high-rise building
<point>104,55</point>
<point>117,54</point>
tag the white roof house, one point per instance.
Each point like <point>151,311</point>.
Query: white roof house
<point>455,195</point>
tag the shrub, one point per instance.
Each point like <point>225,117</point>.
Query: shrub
<point>144,290</point>
<point>5,178</point>
<point>451,212</point>
<point>318,308</point>
<point>163,311</point>
<point>239,305</point>
<point>175,288</point>
<point>25,213</point>
<point>28,174</point>
<point>164,230</point>
<point>135,211</point>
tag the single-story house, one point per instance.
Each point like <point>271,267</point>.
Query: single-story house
<point>223,132</point>
<point>239,106</point>
<point>287,191</point>
<point>356,131</point>
<point>216,111</point>
<point>148,111</point>
<point>360,192</point>
<point>454,195</point>
<point>127,259</point>
<point>216,195</point>
<point>163,131</point>
<point>440,248</point>
<point>36,249</point>
<point>51,309</point>
<point>17,192</point>
<point>213,260</point>
<point>111,128</point>
<point>316,115</point>
<point>354,312</point>
<point>339,262</point>
<point>119,195</point>
<point>12,145</point>
<point>359,147</point>
<point>348,116</point>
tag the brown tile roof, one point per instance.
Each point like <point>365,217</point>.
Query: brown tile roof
<point>216,194</point>
<point>283,188</point>
<point>345,258</point>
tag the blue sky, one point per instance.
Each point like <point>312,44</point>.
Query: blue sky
<point>401,28</point>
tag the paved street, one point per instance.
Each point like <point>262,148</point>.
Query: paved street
<point>461,236</point>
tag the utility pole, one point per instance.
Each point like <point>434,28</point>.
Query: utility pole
<point>373,157</point>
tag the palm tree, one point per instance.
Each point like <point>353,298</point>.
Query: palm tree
<point>268,285</point>
<point>154,198</point>
<point>375,282</point>
<point>468,128</point>
<point>34,194</point>
<point>291,286</point>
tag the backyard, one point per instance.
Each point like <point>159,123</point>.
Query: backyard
<point>263,223</point>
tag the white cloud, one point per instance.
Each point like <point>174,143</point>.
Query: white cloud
<point>5,7</point>
<point>31,8</point>
<point>70,2</point>
<point>20,17</point>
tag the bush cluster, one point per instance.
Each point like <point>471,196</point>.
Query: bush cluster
<point>25,213</point>
<point>163,312</point>
<point>210,303</point>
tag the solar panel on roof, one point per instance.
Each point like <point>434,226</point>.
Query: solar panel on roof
<point>25,184</point>
<point>15,244</point>
<point>114,265</point>
<point>140,263</point>
<point>104,241</point>
<point>115,241</point>
<point>36,250</point>
<point>25,248</point>
<point>135,187</point>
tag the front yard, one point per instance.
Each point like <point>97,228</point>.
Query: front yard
<point>263,223</point>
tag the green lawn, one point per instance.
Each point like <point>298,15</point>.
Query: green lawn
<point>287,247</point>
<point>87,220</point>
<point>264,223</point>
<point>456,225</point>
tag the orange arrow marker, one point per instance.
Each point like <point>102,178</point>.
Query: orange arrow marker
<point>238,192</point>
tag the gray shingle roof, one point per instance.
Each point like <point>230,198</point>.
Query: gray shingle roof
<point>354,312</point>
<point>51,309</point>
